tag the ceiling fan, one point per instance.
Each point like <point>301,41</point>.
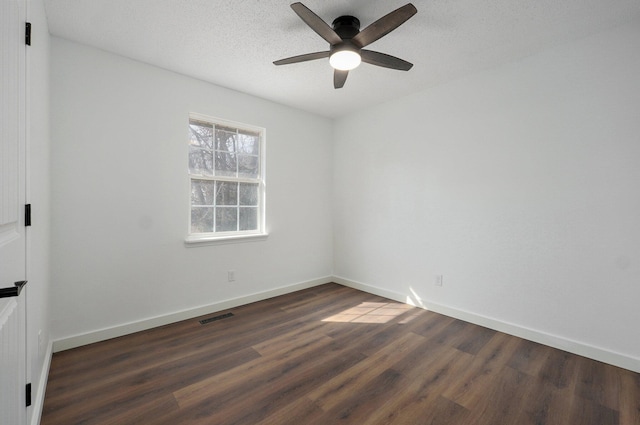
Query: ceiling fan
<point>347,42</point>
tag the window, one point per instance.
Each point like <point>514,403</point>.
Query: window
<point>226,172</point>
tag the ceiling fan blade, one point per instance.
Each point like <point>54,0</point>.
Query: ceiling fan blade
<point>382,59</point>
<point>339,78</point>
<point>316,23</point>
<point>385,25</point>
<point>302,58</point>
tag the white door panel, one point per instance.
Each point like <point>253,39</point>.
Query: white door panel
<point>12,200</point>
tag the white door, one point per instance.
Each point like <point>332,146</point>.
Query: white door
<point>12,200</point>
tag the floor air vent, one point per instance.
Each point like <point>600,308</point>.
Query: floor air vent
<point>213,319</point>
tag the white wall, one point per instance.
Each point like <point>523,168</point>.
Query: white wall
<point>520,185</point>
<point>38,194</point>
<point>121,192</point>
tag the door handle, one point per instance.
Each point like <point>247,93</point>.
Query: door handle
<point>12,291</point>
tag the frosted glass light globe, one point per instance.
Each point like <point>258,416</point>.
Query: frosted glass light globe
<point>345,60</point>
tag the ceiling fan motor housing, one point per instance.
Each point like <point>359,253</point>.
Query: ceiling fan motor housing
<point>346,26</point>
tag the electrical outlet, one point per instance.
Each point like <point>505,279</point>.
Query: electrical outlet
<point>231,275</point>
<point>437,280</point>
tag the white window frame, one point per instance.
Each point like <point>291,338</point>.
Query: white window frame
<point>260,233</point>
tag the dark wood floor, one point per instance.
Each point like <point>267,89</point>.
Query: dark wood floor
<point>330,355</point>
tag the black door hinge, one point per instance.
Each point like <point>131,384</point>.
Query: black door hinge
<point>28,394</point>
<point>27,33</point>
<point>27,215</point>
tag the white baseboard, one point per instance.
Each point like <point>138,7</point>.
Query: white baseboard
<point>555,341</point>
<point>129,328</point>
<point>38,402</point>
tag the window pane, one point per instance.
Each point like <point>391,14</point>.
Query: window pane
<point>200,161</point>
<point>226,219</point>
<point>248,218</point>
<point>227,193</point>
<point>225,139</point>
<point>225,164</point>
<point>248,194</point>
<point>200,134</point>
<point>201,220</point>
<point>202,192</point>
<point>248,166</point>
<point>248,143</point>
<point>225,175</point>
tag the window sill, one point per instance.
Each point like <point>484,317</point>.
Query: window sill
<point>196,241</point>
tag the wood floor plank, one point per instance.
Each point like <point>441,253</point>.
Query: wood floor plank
<point>546,404</point>
<point>255,374</point>
<point>559,369</point>
<point>292,340</point>
<point>145,384</point>
<point>455,333</point>
<point>508,391</point>
<point>329,355</point>
<point>357,408</point>
<point>301,411</point>
<point>333,392</point>
<point>420,361</point>
<point>470,388</point>
<point>153,411</point>
<point>429,324</point>
<point>629,407</point>
<point>295,378</point>
<point>589,412</point>
<point>440,411</point>
<point>416,402</point>
<point>477,338</point>
<point>599,383</point>
<point>529,357</point>
<point>471,384</point>
<point>500,348</point>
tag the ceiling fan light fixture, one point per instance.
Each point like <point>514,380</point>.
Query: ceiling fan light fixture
<point>347,42</point>
<point>345,59</point>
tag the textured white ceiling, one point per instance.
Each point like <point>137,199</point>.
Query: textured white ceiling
<point>232,43</point>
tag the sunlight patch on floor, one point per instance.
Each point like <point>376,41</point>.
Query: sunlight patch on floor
<point>370,312</point>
